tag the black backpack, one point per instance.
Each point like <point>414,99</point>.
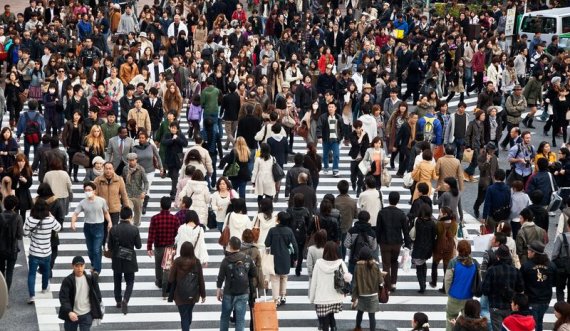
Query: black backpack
<point>7,237</point>
<point>189,287</point>
<point>298,224</point>
<point>360,242</point>
<point>239,277</point>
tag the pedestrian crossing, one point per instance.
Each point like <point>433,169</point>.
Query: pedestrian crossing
<point>148,311</point>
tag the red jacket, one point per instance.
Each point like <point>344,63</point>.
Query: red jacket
<point>519,322</point>
<point>324,60</point>
<point>240,16</point>
<point>478,61</point>
<point>105,104</point>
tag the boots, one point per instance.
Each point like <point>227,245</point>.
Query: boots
<point>433,282</point>
<point>421,272</point>
<point>529,125</point>
<point>145,203</point>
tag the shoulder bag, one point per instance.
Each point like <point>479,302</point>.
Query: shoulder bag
<point>556,199</point>
<point>81,159</point>
<point>278,173</point>
<point>225,236</point>
<point>311,239</point>
<point>256,231</point>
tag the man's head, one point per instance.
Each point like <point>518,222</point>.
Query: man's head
<point>536,247</point>
<point>132,159</point>
<point>499,175</point>
<point>498,239</point>
<point>363,216</point>
<point>234,245</point>
<point>518,90</point>
<point>108,170</point>
<point>393,198</point>
<point>526,137</point>
<point>526,215</point>
<point>165,203</point>
<point>122,132</point>
<point>515,132</point>
<point>302,178</point>
<point>78,266</point>
<point>519,302</point>
<point>89,189</point>
<point>126,213</point>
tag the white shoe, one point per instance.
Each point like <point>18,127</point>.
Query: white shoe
<point>31,300</point>
<point>551,214</point>
<point>46,290</point>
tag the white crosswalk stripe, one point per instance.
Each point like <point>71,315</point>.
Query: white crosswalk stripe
<point>147,310</point>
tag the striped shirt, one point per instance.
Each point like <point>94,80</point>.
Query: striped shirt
<point>40,234</point>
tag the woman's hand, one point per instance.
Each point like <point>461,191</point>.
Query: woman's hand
<point>23,179</point>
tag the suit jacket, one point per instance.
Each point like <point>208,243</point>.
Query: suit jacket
<point>112,153</point>
<point>339,42</point>
<point>155,112</point>
<point>48,16</point>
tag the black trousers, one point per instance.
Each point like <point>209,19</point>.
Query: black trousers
<point>118,280</point>
<point>356,177</point>
<point>562,283</point>
<point>403,160</point>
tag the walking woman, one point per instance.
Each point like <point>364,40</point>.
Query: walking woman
<point>451,198</point>
<point>262,175</point>
<point>397,119</point>
<point>93,146</point>
<point>8,149</point>
<point>375,160</point>
<point>56,209</point>
<point>420,322</point>
<point>221,199</point>
<point>187,263</point>
<point>13,104</point>
<point>197,189</point>
<point>424,172</point>
<point>470,318</point>
<point>315,252</point>
<point>446,227</point>
<point>174,142</point>
<point>149,159</point>
<point>359,143</point>
<point>191,231</point>
<point>533,94</point>
<point>72,137</point>
<point>457,82</point>
<point>172,99</point>
<point>281,242</point>
<point>21,175</point>
<point>248,247</point>
<point>237,220</point>
<point>123,239</point>
<point>327,300</point>
<point>313,162</point>
<point>367,280</point>
<point>240,154</point>
<point>426,235</point>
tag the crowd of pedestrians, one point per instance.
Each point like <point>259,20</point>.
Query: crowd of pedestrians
<point>113,83</point>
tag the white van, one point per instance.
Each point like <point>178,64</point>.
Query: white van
<point>548,22</point>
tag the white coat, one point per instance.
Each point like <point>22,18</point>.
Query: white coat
<point>194,235</point>
<point>200,195</point>
<point>238,224</point>
<point>264,225</point>
<point>322,291</point>
<point>262,177</point>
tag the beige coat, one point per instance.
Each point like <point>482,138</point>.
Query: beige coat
<point>114,193</point>
<point>200,36</point>
<point>424,172</point>
<point>448,166</point>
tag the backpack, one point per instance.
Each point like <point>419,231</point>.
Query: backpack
<point>6,238</point>
<point>189,287</point>
<point>239,277</point>
<point>32,132</point>
<point>194,112</point>
<point>562,262</point>
<point>298,225</point>
<point>359,243</point>
<point>428,129</point>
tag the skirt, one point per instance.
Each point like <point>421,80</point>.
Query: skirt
<point>35,92</point>
<point>368,304</point>
<point>324,310</point>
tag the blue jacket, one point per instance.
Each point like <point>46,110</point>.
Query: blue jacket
<point>31,114</point>
<point>542,181</point>
<point>462,279</point>
<point>84,29</point>
<point>497,196</point>
<point>437,128</point>
<point>401,26</point>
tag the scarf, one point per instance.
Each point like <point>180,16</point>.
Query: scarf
<point>130,172</point>
<point>97,173</point>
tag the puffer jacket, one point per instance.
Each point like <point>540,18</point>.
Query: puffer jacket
<point>464,323</point>
<point>426,236</point>
<point>194,235</point>
<point>200,194</point>
<point>360,227</point>
<point>67,297</point>
<point>367,279</point>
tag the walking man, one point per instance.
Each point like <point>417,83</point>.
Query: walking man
<point>136,184</point>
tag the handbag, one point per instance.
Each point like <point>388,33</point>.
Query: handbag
<point>287,120</point>
<point>168,257</point>
<point>340,285</point>
<point>126,254</point>
<point>212,221</point>
<point>311,239</point>
<point>107,253</point>
<point>413,232</point>
<point>556,199</point>
<point>277,171</point>
<point>467,156</point>
<point>23,96</point>
<point>438,152</point>
<point>408,180</point>
<point>225,236</point>
<point>232,170</point>
<point>383,294</point>
<point>386,178</point>
<point>256,231</point>
<point>302,130</point>
<point>81,159</point>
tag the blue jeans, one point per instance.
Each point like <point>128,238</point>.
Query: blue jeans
<point>459,143</point>
<point>185,316</point>
<point>33,263</point>
<point>84,323</point>
<point>327,147</point>
<point>229,304</point>
<point>94,234</point>
<point>468,76</point>
<point>212,180</point>
<point>27,147</point>
<point>538,311</point>
<point>239,186</point>
<point>485,310</point>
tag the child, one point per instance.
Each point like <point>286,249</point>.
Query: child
<point>195,115</point>
<point>367,280</point>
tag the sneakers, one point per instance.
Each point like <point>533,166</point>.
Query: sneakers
<point>283,300</point>
<point>46,290</point>
<point>31,300</point>
<point>326,171</point>
<point>335,173</point>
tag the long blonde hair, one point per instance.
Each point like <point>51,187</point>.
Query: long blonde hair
<point>97,144</point>
<point>241,150</point>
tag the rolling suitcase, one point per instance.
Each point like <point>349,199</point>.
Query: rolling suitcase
<point>265,315</point>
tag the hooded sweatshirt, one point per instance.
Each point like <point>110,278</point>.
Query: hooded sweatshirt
<point>322,291</point>
<point>519,321</point>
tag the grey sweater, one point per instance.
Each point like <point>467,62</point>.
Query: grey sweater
<point>145,154</point>
<point>448,200</point>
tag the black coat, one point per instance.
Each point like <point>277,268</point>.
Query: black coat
<point>230,106</point>
<point>309,194</point>
<point>426,235</point>
<point>247,128</point>
<point>155,113</point>
<point>174,147</point>
<point>403,136</point>
<point>392,227</point>
<point>356,147</point>
<point>279,149</point>
<point>124,235</point>
<point>67,297</point>
<point>244,174</point>
<point>278,239</point>
<point>21,189</point>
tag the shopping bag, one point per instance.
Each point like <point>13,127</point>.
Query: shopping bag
<point>268,264</point>
<point>168,257</point>
<point>406,260</point>
<point>467,155</point>
<point>481,242</point>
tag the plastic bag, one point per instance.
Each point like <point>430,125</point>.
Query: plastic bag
<point>406,261</point>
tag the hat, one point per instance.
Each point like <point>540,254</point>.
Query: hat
<point>537,247</point>
<point>132,156</point>
<point>78,260</point>
<point>367,85</point>
<point>491,146</point>
<point>116,6</point>
<point>503,252</point>
<point>555,80</point>
<point>143,34</point>
<point>286,85</point>
<point>517,87</point>
<point>97,159</point>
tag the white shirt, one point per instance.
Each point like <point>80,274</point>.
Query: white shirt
<point>81,305</point>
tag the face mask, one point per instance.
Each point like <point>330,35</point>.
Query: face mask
<point>88,194</point>
<point>51,90</point>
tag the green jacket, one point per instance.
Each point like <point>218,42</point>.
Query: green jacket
<point>136,183</point>
<point>110,130</point>
<point>533,91</point>
<point>209,99</point>
<point>162,130</point>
